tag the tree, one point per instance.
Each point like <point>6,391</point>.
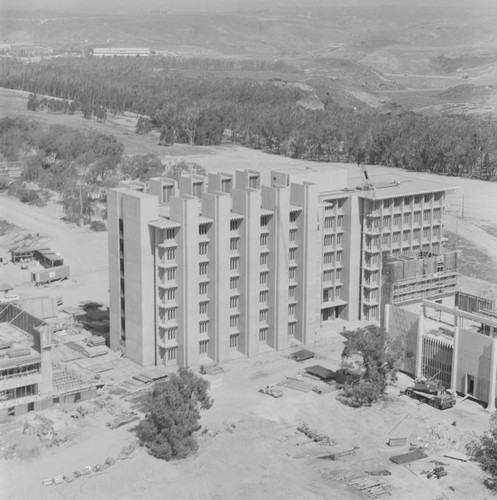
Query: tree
<point>173,414</point>
<point>372,359</point>
<point>484,451</point>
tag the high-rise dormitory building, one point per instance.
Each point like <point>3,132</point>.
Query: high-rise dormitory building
<point>212,268</point>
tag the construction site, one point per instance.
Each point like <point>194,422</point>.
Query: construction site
<point>278,428</point>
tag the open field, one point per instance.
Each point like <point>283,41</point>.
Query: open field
<point>252,449</point>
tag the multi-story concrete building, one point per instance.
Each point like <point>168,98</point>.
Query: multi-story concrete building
<point>209,269</point>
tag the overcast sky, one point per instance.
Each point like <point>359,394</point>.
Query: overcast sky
<point>123,6</point>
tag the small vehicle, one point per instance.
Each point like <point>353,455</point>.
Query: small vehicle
<point>272,390</point>
<point>431,392</point>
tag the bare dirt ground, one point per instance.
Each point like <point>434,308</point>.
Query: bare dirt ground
<point>252,450</point>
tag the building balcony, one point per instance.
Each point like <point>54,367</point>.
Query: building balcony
<point>166,343</point>
<point>168,244</point>
<point>168,284</point>
<point>167,264</point>
<point>167,323</point>
<point>370,301</point>
<point>371,284</point>
<point>167,304</point>
<point>19,380</point>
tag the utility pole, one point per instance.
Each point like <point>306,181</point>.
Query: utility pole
<point>462,217</point>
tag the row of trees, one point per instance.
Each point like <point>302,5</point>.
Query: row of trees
<point>198,110</point>
<point>76,164</point>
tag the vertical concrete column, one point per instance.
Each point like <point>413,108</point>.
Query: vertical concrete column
<point>309,264</point>
<point>493,377</point>
<point>217,207</point>
<point>247,202</point>
<point>455,355</point>
<point>386,318</point>
<point>419,347</point>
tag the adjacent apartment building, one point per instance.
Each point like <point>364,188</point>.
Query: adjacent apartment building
<point>212,268</point>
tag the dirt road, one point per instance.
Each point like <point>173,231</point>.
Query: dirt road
<point>84,251</point>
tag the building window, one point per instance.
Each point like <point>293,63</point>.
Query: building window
<point>291,329</point>
<point>234,302</point>
<point>171,355</point>
<point>386,221</point>
<point>263,316</point>
<point>264,240</point>
<point>203,307</point>
<point>328,275</point>
<point>234,263</point>
<point>263,278</point>
<point>171,313</point>
<point>293,235</point>
<point>234,224</point>
<point>292,254</point>
<point>294,216</point>
<point>203,347</point>
<point>338,275</point>
<point>202,288</point>
<point>396,220</point>
<point>329,240</point>
<point>203,326</point>
<point>426,215</point>
<point>396,237</point>
<point>385,240</point>
<point>171,333</point>
<point>426,233</point>
<point>407,218</point>
<point>234,283</point>
<point>328,294</point>
<point>263,297</point>
<point>339,239</point>
<point>233,244</point>
<point>339,257</point>
<point>437,214</point>
<point>417,199</point>
<point>170,294</point>
<point>263,259</point>
<point>428,198</point>
<point>292,309</point>
<point>171,253</point>
<point>265,220</point>
<point>202,248</point>
<point>170,234</point>
<point>203,229</point>
<point>416,234</point>
<point>292,272</point>
<point>387,204</point>
<point>234,321</point>
<point>171,274</point>
<point>328,258</point>
<point>292,291</point>
<point>338,292</point>
<point>405,236</point>
<point>202,268</point>
<point>263,334</point>
<point>397,202</point>
<point>340,221</point>
<point>417,217</point>
<point>436,232</point>
<point>328,222</point>
<point>234,342</point>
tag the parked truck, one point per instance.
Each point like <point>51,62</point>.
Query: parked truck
<point>43,276</point>
<point>431,392</point>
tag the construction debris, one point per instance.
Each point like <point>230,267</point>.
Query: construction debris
<point>302,355</point>
<point>408,457</point>
<point>340,454</point>
<point>315,436</point>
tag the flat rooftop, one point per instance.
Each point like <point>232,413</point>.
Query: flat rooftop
<point>9,334</point>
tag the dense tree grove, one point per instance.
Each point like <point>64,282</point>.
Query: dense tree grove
<point>265,115</point>
<point>484,451</point>
<point>371,360</point>
<point>173,414</point>
<point>59,158</point>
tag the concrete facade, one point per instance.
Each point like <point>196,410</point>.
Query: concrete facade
<point>208,269</point>
<point>464,359</point>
